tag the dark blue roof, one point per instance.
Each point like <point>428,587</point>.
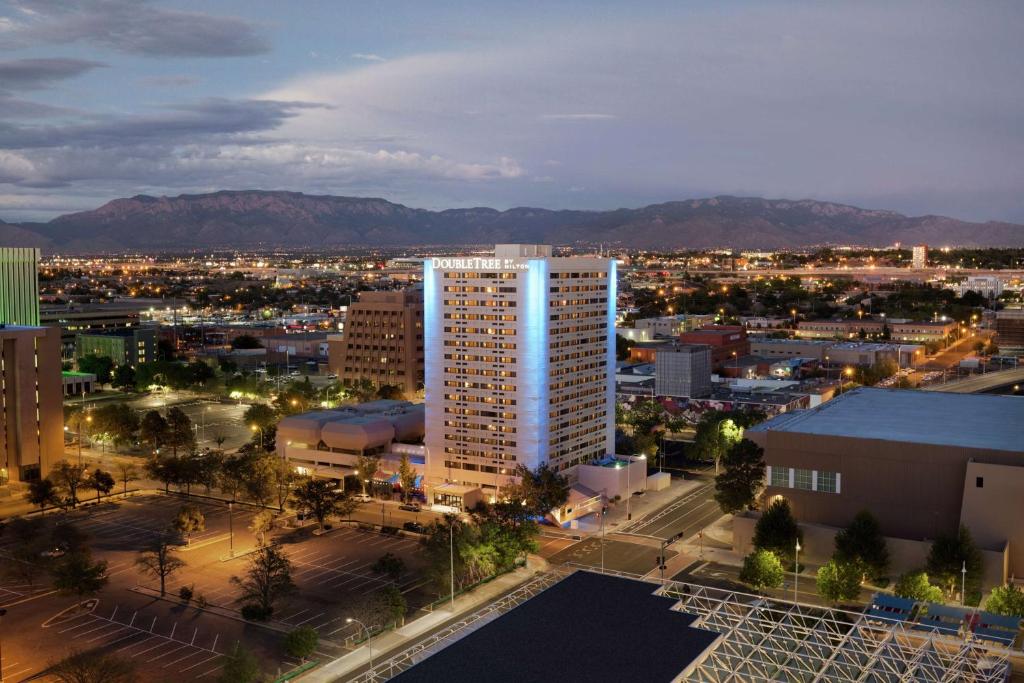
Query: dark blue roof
<point>588,627</point>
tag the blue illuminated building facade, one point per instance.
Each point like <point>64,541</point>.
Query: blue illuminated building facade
<point>519,363</point>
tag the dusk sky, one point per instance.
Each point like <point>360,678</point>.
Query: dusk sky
<point>915,106</point>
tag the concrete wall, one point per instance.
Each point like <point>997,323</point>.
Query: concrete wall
<point>993,509</point>
<point>904,555</point>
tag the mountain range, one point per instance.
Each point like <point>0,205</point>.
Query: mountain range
<point>256,218</point>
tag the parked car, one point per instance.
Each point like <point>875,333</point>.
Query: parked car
<point>363,498</point>
<point>415,527</point>
<point>410,507</point>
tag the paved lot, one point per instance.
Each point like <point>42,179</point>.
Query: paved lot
<point>619,555</point>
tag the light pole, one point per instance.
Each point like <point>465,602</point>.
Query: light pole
<point>796,572</point>
<point>231,530</point>
<point>963,584</point>
<point>664,545</point>
<point>629,496</point>
<point>369,648</point>
<point>451,557</point>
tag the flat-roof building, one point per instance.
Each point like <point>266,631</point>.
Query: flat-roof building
<point>382,342</point>
<point>130,346</point>
<point>31,402</point>
<point>519,362</point>
<point>683,370</point>
<point>922,463</point>
<point>726,341</point>
<point>1010,330</point>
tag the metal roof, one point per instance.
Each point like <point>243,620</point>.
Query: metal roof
<point>966,420</point>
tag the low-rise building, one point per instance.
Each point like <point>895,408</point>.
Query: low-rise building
<point>923,463</point>
<point>726,341</point>
<point>1010,331</point>
<point>130,346</point>
<point>683,370</point>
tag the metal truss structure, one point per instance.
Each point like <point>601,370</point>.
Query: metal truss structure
<point>768,641</point>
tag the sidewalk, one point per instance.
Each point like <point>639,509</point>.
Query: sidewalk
<point>386,644</point>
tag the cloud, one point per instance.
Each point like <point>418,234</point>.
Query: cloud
<point>368,57</point>
<point>32,74</point>
<point>172,81</point>
<point>577,117</point>
<point>16,108</point>
<point>135,27</point>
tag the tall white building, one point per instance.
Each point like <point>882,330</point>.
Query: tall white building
<point>919,256</point>
<point>519,363</point>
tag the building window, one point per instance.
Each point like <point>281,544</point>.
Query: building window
<point>780,477</point>
<point>827,482</point>
<point>803,479</point>
<point>979,482</point>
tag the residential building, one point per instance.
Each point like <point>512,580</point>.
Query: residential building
<point>923,463</point>
<point>31,402</point>
<point>919,256</point>
<point>19,286</point>
<point>727,342</point>
<point>683,370</point>
<point>125,346</point>
<point>1010,331</point>
<point>520,362</point>
<point>382,342</point>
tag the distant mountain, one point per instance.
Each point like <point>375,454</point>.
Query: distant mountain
<point>253,218</point>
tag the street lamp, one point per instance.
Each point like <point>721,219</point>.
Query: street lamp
<point>369,648</point>
<point>796,572</point>
<point>963,584</point>
<point>231,530</point>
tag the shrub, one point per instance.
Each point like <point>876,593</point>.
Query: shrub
<point>916,586</point>
<point>185,593</point>
<point>256,613</point>
<point>762,569</point>
<point>301,642</point>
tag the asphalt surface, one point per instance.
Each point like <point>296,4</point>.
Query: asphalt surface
<point>686,515</point>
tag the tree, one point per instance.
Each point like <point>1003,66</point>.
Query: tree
<point>94,666</point>
<point>164,469</point>
<point>260,479</point>
<point>778,532</point>
<point>406,477</point>
<point>189,520</point>
<point>322,499</point>
<point>839,580</point>
<point>948,555</point>
<point>717,432</point>
<point>42,492</point>
<point>246,341</point>
<point>282,477</point>
<point>1007,600</point>
<point>101,482</point>
<point>390,392</point>
<point>153,430</point>
<point>96,365</point>
<point>239,666</point>
<point>268,578</point>
<point>233,474</point>
<point>262,523</point>
<point>260,415</point>
<point>863,542</point>
<point>762,569</point>
<point>916,586</point>
<point>179,430</point>
<point>116,422</point>
<point>301,642</point>
<point>366,467</point>
<point>739,483</point>
<point>77,574</point>
<point>541,490</point>
<point>124,377</point>
<point>69,478</point>
<point>25,560</point>
<point>390,565</point>
<point>160,561</point>
<point>127,472</point>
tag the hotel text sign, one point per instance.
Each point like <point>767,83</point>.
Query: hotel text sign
<point>479,263</point>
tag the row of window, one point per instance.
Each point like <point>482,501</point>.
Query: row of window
<point>803,479</point>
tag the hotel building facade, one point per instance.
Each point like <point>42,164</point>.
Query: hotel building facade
<point>519,363</point>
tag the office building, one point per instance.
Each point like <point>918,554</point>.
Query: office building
<point>923,463</point>
<point>727,342</point>
<point>989,286</point>
<point>671,325</point>
<point>19,286</point>
<point>31,402</point>
<point>1010,331</point>
<point>520,360</point>
<point>126,346</point>
<point>919,256</point>
<point>75,319</point>
<point>382,342</point>
<point>683,370</point>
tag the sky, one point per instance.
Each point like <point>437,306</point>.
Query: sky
<point>916,107</point>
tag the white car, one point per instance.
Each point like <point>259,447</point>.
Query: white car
<point>363,498</point>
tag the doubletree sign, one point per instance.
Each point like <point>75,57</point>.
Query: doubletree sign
<point>479,263</point>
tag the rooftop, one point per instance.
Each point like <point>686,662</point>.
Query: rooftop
<point>580,614</point>
<point>943,419</point>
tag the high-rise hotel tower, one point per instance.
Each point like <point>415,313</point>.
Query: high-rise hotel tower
<point>519,363</point>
